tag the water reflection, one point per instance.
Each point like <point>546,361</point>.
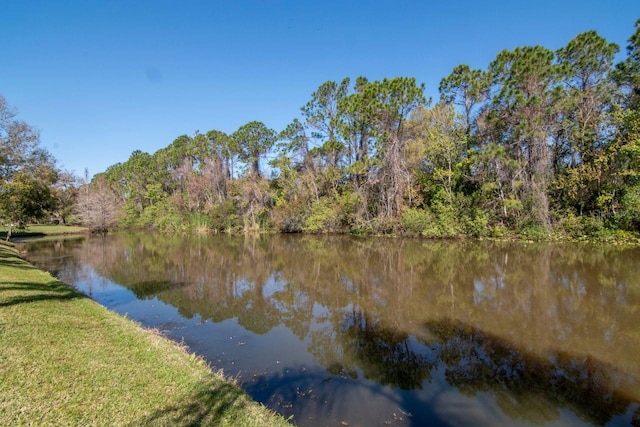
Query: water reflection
<point>543,329</point>
<point>527,386</point>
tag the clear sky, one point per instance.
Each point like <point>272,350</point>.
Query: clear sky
<point>102,78</point>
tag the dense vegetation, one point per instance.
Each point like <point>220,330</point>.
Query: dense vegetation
<point>31,186</point>
<point>539,143</point>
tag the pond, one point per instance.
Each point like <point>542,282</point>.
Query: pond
<point>339,330</point>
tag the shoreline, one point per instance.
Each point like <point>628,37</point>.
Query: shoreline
<point>67,360</point>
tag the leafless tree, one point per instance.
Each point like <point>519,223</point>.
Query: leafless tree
<point>97,206</point>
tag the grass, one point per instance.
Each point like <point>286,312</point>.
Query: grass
<point>66,360</point>
<point>42,230</point>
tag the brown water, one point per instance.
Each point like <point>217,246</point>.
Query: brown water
<point>336,330</point>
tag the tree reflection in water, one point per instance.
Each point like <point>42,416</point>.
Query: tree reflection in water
<point>528,386</point>
<point>541,328</point>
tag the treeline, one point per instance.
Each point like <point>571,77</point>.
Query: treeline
<point>32,186</point>
<point>539,142</point>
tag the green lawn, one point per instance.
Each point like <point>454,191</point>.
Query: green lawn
<point>66,360</point>
<point>42,230</point>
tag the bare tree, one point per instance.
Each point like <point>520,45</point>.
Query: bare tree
<point>97,206</point>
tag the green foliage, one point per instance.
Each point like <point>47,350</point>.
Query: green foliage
<point>224,217</point>
<point>332,215</point>
<point>531,231</point>
<point>290,216</point>
<point>253,140</point>
<point>416,220</point>
<point>538,143</point>
<point>323,217</point>
<point>572,225</point>
<point>447,222</point>
<point>593,227</point>
<point>465,88</point>
<point>28,174</point>
<point>627,72</point>
<point>476,224</point>
<point>499,231</point>
<point>199,222</point>
<point>629,218</point>
<point>26,198</point>
<point>443,221</point>
<point>154,215</point>
<point>597,228</point>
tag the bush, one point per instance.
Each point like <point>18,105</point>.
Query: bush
<point>629,217</point>
<point>572,225</point>
<point>332,215</point>
<point>499,231</point>
<point>415,221</point>
<point>324,217</point>
<point>592,225</point>
<point>290,216</point>
<point>224,216</point>
<point>477,224</point>
<point>448,221</point>
<point>150,216</point>
<point>199,222</point>
<point>171,223</point>
<point>532,231</point>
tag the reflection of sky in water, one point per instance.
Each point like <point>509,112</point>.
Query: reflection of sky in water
<point>103,290</point>
<point>241,286</point>
<point>273,285</point>
<point>487,291</point>
<point>315,354</point>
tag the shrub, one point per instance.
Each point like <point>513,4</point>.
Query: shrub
<point>476,225</point>
<point>324,217</point>
<point>630,212</point>
<point>572,225</point>
<point>592,225</point>
<point>415,220</point>
<point>224,216</point>
<point>289,216</point>
<point>330,215</point>
<point>533,231</point>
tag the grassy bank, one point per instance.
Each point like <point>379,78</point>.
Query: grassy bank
<point>42,230</point>
<point>66,360</point>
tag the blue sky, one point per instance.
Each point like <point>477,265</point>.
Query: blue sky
<point>101,79</point>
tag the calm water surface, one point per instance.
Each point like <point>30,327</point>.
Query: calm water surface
<point>337,330</point>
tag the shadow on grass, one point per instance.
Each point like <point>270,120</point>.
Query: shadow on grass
<point>16,263</point>
<point>15,234</point>
<point>31,292</point>
<point>213,403</point>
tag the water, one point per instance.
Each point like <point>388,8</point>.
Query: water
<point>402,332</point>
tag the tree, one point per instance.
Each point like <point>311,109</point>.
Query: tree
<point>587,92</point>
<point>253,140</point>
<point>322,115</point>
<point>27,171</point>
<point>585,121</point>
<point>97,207</point>
<point>396,99</point>
<point>521,116</point>
<point>466,88</point>
<point>621,195</point>
<point>295,143</point>
<point>25,199</point>
<point>441,132</point>
<point>65,194</point>
<point>354,123</point>
<point>225,151</point>
<point>627,72</point>
<point>132,181</point>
